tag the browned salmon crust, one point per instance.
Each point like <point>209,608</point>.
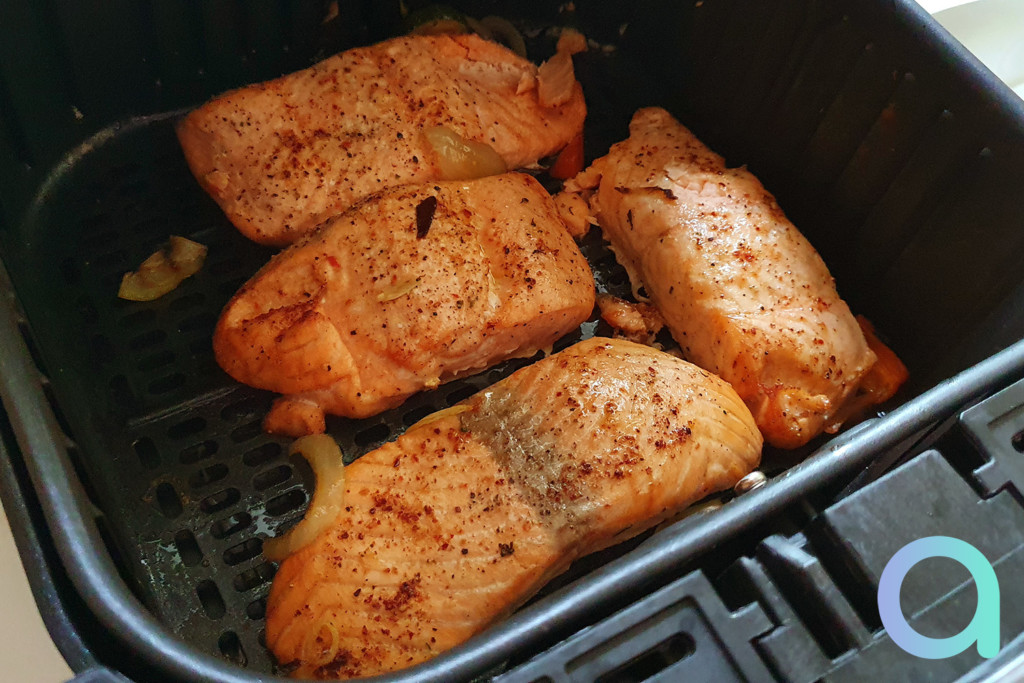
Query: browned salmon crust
<point>462,519</point>
<point>406,290</point>
<point>282,156</point>
<point>743,292</point>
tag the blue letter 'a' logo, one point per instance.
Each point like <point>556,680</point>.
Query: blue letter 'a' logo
<point>984,627</point>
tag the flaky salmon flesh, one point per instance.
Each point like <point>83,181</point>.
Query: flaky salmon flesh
<point>463,518</point>
<point>406,290</point>
<point>282,156</point>
<point>742,291</point>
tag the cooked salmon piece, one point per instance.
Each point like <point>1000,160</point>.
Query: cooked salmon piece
<point>470,512</point>
<point>282,156</point>
<point>406,290</point>
<point>742,291</point>
<point>638,322</point>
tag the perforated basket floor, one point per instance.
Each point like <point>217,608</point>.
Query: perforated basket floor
<point>170,448</point>
<point>185,484</point>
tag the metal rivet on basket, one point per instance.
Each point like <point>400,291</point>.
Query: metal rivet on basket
<point>751,482</point>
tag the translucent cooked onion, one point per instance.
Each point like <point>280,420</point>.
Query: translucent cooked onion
<point>504,32</point>
<point>439,27</point>
<point>398,291</point>
<point>321,651</point>
<point>462,159</point>
<point>186,256</point>
<point>324,456</point>
<point>556,80</point>
<point>435,20</point>
<point>163,271</point>
<point>440,415</point>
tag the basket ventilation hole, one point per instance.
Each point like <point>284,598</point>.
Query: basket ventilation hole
<point>618,278</point>
<point>247,431</point>
<point>102,349</point>
<point>137,318</point>
<point>565,342</point>
<point>133,186</point>
<point>245,550</point>
<point>147,339</point>
<point>231,647</point>
<point>167,500</point>
<point>226,266</point>
<point>197,452</point>
<point>220,500</point>
<point>121,391</point>
<point>155,361</point>
<point>199,321</point>
<point>104,239</point>
<point>113,260</point>
<point>416,414</point>
<point>232,286</point>
<point>658,658</point>
<point>210,599</point>
<point>146,450</point>
<point>188,301</point>
<point>200,347</point>
<point>1018,441</point>
<point>262,454</point>
<point>374,434</point>
<point>251,578</point>
<point>94,222</point>
<point>166,384</point>
<point>69,271</point>
<point>188,548</point>
<point>460,394</point>
<point>256,609</point>
<point>208,475</point>
<point>286,502</point>
<point>223,528</point>
<point>272,477</point>
<point>187,428</point>
<point>90,316</point>
<point>51,398</point>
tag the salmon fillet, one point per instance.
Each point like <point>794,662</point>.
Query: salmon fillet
<point>463,518</point>
<point>406,290</point>
<point>282,156</point>
<point>742,291</point>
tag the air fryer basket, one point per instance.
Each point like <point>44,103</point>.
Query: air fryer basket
<point>893,151</point>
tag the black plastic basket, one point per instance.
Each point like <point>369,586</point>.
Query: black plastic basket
<point>897,154</point>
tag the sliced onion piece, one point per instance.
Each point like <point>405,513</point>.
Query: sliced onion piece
<point>398,291</point>
<point>456,409</point>
<point>502,31</point>
<point>555,80</point>
<point>436,20</point>
<point>186,256</point>
<point>440,27</point>
<point>324,456</point>
<point>163,271</point>
<point>461,159</point>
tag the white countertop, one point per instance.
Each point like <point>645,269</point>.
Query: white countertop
<point>28,655</point>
